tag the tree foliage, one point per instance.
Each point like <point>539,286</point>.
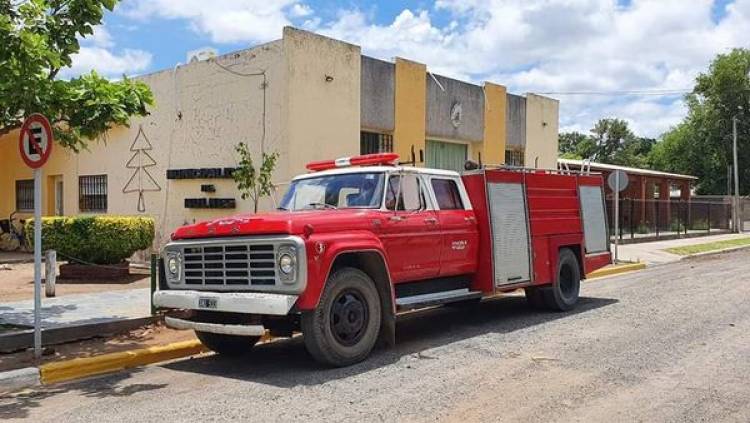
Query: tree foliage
<point>609,141</point>
<point>701,144</point>
<point>251,182</point>
<point>38,38</point>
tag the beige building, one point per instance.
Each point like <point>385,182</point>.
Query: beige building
<point>306,97</point>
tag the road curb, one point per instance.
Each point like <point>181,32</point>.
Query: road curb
<point>78,368</point>
<point>15,380</point>
<point>615,270</point>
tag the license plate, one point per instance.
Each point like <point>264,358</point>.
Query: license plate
<point>207,303</point>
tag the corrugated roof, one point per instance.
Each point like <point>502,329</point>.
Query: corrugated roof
<point>631,170</point>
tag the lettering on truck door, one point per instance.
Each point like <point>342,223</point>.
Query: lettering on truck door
<point>458,253</point>
<point>410,231</point>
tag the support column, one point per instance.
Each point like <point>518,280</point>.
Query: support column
<point>410,111</point>
<point>495,134</point>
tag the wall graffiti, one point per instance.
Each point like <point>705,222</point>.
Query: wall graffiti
<point>141,181</point>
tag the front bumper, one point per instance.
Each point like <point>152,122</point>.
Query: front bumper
<point>237,330</point>
<point>231,302</point>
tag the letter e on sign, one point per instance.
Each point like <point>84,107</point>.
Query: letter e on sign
<point>35,141</point>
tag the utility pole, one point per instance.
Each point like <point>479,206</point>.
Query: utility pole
<point>736,178</point>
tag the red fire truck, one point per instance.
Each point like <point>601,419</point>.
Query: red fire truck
<point>359,240</point>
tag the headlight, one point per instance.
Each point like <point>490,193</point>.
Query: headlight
<point>174,265</point>
<point>286,263</point>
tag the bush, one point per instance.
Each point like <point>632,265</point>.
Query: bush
<point>94,239</point>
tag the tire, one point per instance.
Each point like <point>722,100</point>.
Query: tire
<point>343,328</point>
<point>229,345</point>
<point>535,297</point>
<point>563,294</point>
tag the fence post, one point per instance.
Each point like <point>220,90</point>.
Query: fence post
<point>50,273</point>
<point>154,261</point>
<point>632,221</point>
<point>708,218</point>
<point>657,217</point>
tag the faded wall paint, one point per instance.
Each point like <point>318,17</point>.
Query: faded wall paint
<point>516,121</point>
<point>542,125</point>
<point>495,105</point>
<point>322,118</point>
<point>410,109</point>
<point>377,94</point>
<point>442,97</point>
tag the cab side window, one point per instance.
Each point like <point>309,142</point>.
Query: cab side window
<point>410,195</point>
<point>446,194</point>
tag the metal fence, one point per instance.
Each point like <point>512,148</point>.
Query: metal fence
<point>654,219</point>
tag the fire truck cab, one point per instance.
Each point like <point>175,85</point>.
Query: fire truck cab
<point>359,240</point>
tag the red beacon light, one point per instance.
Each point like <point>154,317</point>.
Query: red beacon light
<point>364,160</point>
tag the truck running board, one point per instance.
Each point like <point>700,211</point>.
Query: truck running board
<point>435,298</point>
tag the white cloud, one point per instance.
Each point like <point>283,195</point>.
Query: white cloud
<point>528,45</point>
<point>224,21</point>
<point>107,63</point>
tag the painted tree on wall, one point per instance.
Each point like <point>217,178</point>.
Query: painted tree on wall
<point>141,181</point>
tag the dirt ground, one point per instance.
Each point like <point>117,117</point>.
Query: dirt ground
<point>17,283</point>
<point>143,337</point>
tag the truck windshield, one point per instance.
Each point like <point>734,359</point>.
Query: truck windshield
<point>351,190</point>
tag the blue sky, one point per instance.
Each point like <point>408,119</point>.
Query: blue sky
<point>528,45</point>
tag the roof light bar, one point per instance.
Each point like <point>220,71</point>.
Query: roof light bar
<point>364,160</point>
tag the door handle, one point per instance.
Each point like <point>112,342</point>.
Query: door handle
<point>470,219</point>
<point>395,218</point>
<point>430,220</point>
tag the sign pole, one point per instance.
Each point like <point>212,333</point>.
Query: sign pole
<point>37,262</point>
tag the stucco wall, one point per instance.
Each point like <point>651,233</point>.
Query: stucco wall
<point>410,109</point>
<point>323,116</point>
<point>495,106</point>
<point>441,99</point>
<point>377,94</point>
<point>542,117</point>
<point>516,121</point>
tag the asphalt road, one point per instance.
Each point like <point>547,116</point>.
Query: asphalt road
<point>671,343</point>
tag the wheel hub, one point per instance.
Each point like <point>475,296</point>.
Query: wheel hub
<point>349,317</point>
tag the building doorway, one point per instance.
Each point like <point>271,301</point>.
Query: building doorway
<point>446,155</point>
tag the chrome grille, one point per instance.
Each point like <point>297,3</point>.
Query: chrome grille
<point>230,265</point>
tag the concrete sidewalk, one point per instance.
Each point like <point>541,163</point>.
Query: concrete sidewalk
<point>653,253</point>
<point>80,309</point>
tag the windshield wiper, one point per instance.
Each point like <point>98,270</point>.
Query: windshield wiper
<point>324,205</point>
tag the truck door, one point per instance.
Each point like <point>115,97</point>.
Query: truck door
<point>410,232</point>
<point>459,248</point>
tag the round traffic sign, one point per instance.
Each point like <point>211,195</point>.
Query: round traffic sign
<point>618,180</point>
<point>35,141</point>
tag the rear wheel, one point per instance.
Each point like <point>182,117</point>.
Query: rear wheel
<point>535,296</point>
<point>343,329</point>
<point>563,294</point>
<point>230,345</point>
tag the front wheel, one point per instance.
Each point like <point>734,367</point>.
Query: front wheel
<point>343,328</point>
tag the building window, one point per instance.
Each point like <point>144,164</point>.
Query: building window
<point>25,195</point>
<point>514,158</point>
<point>373,142</point>
<point>92,193</point>
<point>446,194</point>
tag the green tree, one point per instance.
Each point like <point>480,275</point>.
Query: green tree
<point>610,141</point>
<point>38,38</point>
<point>702,144</point>
<point>254,183</point>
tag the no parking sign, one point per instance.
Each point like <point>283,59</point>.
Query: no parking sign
<point>35,145</point>
<point>35,141</point>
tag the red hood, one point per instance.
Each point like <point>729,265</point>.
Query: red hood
<point>275,223</point>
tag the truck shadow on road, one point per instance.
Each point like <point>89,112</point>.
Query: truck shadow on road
<point>286,363</point>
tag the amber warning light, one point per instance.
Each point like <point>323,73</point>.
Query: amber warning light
<point>364,160</point>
